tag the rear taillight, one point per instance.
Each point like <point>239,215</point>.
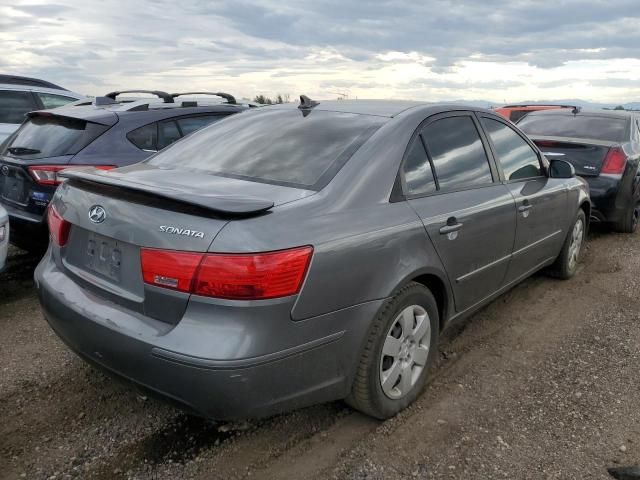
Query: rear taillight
<point>614,162</point>
<point>58,227</point>
<point>169,269</point>
<point>48,174</point>
<point>252,276</point>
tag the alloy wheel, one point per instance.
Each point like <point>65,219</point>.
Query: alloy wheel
<point>577,236</point>
<point>405,351</point>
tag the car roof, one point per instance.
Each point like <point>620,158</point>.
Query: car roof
<point>28,81</point>
<point>588,112</point>
<point>153,108</point>
<point>382,108</point>
<point>32,88</point>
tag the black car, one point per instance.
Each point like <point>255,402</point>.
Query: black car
<point>103,132</point>
<point>604,148</point>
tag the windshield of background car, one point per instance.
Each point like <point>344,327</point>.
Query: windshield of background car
<point>609,129</point>
<point>288,147</point>
<point>51,136</point>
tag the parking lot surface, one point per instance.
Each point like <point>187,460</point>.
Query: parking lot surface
<point>542,383</point>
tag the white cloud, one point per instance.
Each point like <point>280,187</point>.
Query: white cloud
<point>432,50</point>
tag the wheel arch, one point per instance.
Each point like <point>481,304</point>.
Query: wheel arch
<point>439,288</point>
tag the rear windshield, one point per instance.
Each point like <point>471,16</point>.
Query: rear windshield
<point>274,146</point>
<point>51,136</point>
<point>595,127</point>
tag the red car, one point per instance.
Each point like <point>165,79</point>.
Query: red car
<point>516,112</point>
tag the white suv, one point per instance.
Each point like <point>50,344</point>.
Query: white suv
<point>19,95</point>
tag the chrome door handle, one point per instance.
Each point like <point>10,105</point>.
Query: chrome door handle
<point>450,228</point>
<point>524,208</point>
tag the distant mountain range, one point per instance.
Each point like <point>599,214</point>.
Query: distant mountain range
<point>574,101</point>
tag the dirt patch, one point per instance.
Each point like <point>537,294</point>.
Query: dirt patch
<point>542,383</point>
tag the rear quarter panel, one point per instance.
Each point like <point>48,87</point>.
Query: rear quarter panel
<point>360,254</point>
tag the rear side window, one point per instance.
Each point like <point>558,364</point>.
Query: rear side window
<point>167,133</point>
<point>609,129</point>
<point>145,138</point>
<point>275,145</point>
<point>50,100</point>
<point>517,158</point>
<point>14,106</point>
<point>457,153</point>
<point>191,124</point>
<point>418,174</point>
<point>51,136</point>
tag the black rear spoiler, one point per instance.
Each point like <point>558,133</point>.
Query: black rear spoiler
<point>222,204</point>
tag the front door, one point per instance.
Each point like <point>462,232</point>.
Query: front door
<point>541,202</point>
<point>468,215</point>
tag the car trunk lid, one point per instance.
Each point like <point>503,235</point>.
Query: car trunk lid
<point>149,208</point>
<point>586,155</point>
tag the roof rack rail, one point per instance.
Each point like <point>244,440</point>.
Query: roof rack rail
<point>158,93</point>
<point>229,98</point>
<point>29,81</point>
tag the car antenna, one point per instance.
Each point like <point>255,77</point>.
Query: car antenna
<point>306,103</point>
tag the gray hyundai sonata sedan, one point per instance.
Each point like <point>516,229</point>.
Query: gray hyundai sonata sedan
<point>303,253</point>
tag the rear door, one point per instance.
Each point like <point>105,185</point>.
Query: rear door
<point>541,202</point>
<point>468,214</point>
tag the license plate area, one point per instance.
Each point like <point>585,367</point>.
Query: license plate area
<point>103,256</point>
<point>13,187</point>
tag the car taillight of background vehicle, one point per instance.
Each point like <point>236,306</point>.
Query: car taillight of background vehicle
<point>615,162</point>
<point>48,174</point>
<point>59,228</point>
<point>253,276</point>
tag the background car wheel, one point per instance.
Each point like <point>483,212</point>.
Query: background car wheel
<point>399,350</point>
<point>629,224</point>
<point>566,264</point>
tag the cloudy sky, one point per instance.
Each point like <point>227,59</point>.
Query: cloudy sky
<point>421,49</point>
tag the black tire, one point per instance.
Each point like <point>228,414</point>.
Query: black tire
<point>629,222</point>
<point>367,394</point>
<point>564,268</point>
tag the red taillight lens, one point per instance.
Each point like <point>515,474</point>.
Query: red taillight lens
<point>48,174</point>
<point>59,228</point>
<point>253,276</point>
<point>233,276</point>
<point>169,269</point>
<point>614,162</point>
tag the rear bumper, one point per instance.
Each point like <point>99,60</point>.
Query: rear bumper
<point>306,373</point>
<point>609,197</point>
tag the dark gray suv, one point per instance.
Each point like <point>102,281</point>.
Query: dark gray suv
<point>300,254</point>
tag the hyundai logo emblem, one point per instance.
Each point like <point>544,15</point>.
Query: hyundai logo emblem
<point>5,170</point>
<point>97,214</point>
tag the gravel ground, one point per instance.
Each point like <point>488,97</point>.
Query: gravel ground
<point>543,383</point>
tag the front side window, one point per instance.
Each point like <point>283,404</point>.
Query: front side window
<point>457,153</point>
<point>15,105</point>
<point>145,138</point>
<point>418,174</point>
<point>50,100</point>
<point>517,158</point>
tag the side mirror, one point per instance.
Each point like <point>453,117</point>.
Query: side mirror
<point>561,169</point>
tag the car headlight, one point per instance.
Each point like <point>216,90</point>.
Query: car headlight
<point>3,233</point>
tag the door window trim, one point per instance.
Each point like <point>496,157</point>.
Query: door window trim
<point>400,191</point>
<point>543,165</point>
